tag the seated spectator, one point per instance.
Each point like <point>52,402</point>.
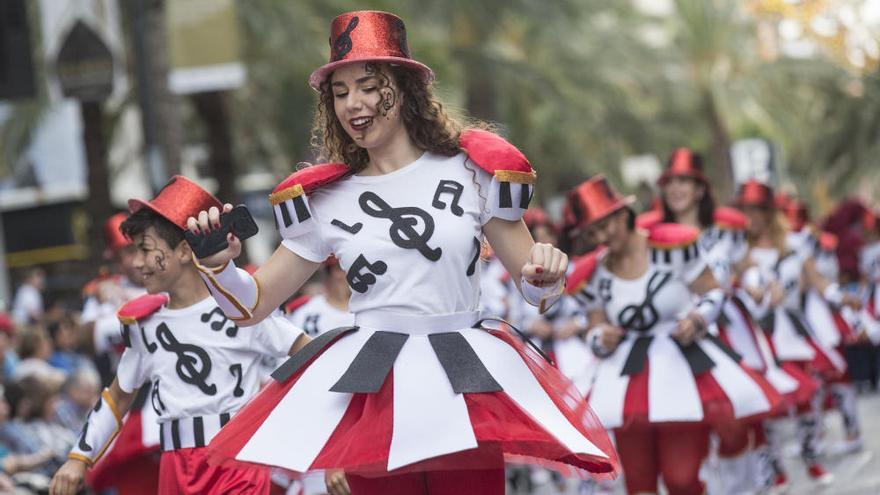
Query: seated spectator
<point>65,338</point>
<point>12,463</point>
<point>78,395</point>
<point>34,349</point>
<point>32,430</point>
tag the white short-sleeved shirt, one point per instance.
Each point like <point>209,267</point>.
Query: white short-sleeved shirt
<point>199,362</point>
<point>409,240</point>
<point>659,295</point>
<point>317,316</point>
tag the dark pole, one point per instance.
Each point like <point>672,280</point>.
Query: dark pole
<point>98,203</point>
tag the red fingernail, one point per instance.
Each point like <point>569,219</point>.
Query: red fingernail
<point>539,269</point>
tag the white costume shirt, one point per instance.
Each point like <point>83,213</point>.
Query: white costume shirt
<point>199,362</point>
<point>409,240</point>
<point>317,316</point>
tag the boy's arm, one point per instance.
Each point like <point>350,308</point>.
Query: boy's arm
<point>102,426</point>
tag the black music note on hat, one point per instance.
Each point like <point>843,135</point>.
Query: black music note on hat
<point>343,43</point>
<point>449,187</point>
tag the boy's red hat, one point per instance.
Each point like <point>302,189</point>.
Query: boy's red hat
<point>180,199</point>
<point>368,36</point>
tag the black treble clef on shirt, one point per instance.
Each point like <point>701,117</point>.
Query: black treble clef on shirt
<point>343,43</point>
<point>641,317</point>
<point>403,224</point>
<point>193,363</point>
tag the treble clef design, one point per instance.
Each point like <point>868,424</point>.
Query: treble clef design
<point>343,44</point>
<point>641,317</point>
<point>193,363</point>
<point>404,221</point>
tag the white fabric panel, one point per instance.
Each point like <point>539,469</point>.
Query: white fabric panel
<point>788,344</point>
<point>308,414</point>
<point>741,337</point>
<point>672,391</point>
<point>821,320</point>
<point>781,381</point>
<point>609,389</point>
<point>746,396</point>
<point>518,382</point>
<point>430,419</point>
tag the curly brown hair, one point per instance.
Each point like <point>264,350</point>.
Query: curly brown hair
<point>429,126</point>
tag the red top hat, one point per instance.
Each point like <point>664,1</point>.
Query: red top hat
<point>180,199</point>
<point>113,238</point>
<point>796,213</point>
<point>368,36</point>
<point>755,193</point>
<point>594,200</point>
<point>683,163</point>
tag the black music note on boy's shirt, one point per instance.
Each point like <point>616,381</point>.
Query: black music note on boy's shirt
<point>231,330</point>
<point>193,363</point>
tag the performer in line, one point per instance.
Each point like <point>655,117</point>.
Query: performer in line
<point>416,397</point>
<point>784,271</point>
<point>323,312</point>
<point>201,367</point>
<point>687,198</point>
<point>663,379</point>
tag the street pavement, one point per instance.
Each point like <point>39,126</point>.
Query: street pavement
<point>854,474</point>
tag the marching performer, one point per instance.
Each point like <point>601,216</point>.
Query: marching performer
<point>784,270</point>
<point>323,312</point>
<point>687,198</point>
<point>416,397</point>
<point>663,380</point>
<point>201,366</point>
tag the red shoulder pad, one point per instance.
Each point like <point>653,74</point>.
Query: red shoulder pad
<point>827,241</point>
<point>668,236</point>
<point>296,303</point>
<point>730,218</point>
<point>649,219</point>
<point>142,307</point>
<point>584,267</point>
<point>307,180</point>
<point>495,155</point>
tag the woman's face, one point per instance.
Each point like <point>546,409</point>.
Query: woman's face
<point>611,231</point>
<point>759,219</point>
<point>681,194</point>
<point>367,103</point>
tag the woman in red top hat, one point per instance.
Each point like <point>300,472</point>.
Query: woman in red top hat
<point>686,198</point>
<point>416,397</point>
<point>663,379</point>
<point>784,270</point>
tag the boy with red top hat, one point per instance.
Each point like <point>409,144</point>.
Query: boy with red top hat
<point>201,367</point>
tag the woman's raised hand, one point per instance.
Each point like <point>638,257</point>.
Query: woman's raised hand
<point>207,221</point>
<point>546,265</point>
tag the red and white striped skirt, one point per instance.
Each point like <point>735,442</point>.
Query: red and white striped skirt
<point>404,393</point>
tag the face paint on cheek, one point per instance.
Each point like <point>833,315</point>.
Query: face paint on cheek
<point>160,260</point>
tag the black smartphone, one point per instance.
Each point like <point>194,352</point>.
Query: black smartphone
<point>238,221</point>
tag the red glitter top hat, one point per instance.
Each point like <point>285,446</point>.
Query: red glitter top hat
<point>755,193</point>
<point>796,213</point>
<point>683,163</point>
<point>113,238</point>
<point>180,199</point>
<point>368,36</point>
<point>594,200</point>
<point>535,217</point>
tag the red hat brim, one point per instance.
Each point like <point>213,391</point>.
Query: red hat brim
<point>614,208</point>
<point>668,174</point>
<point>320,74</point>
